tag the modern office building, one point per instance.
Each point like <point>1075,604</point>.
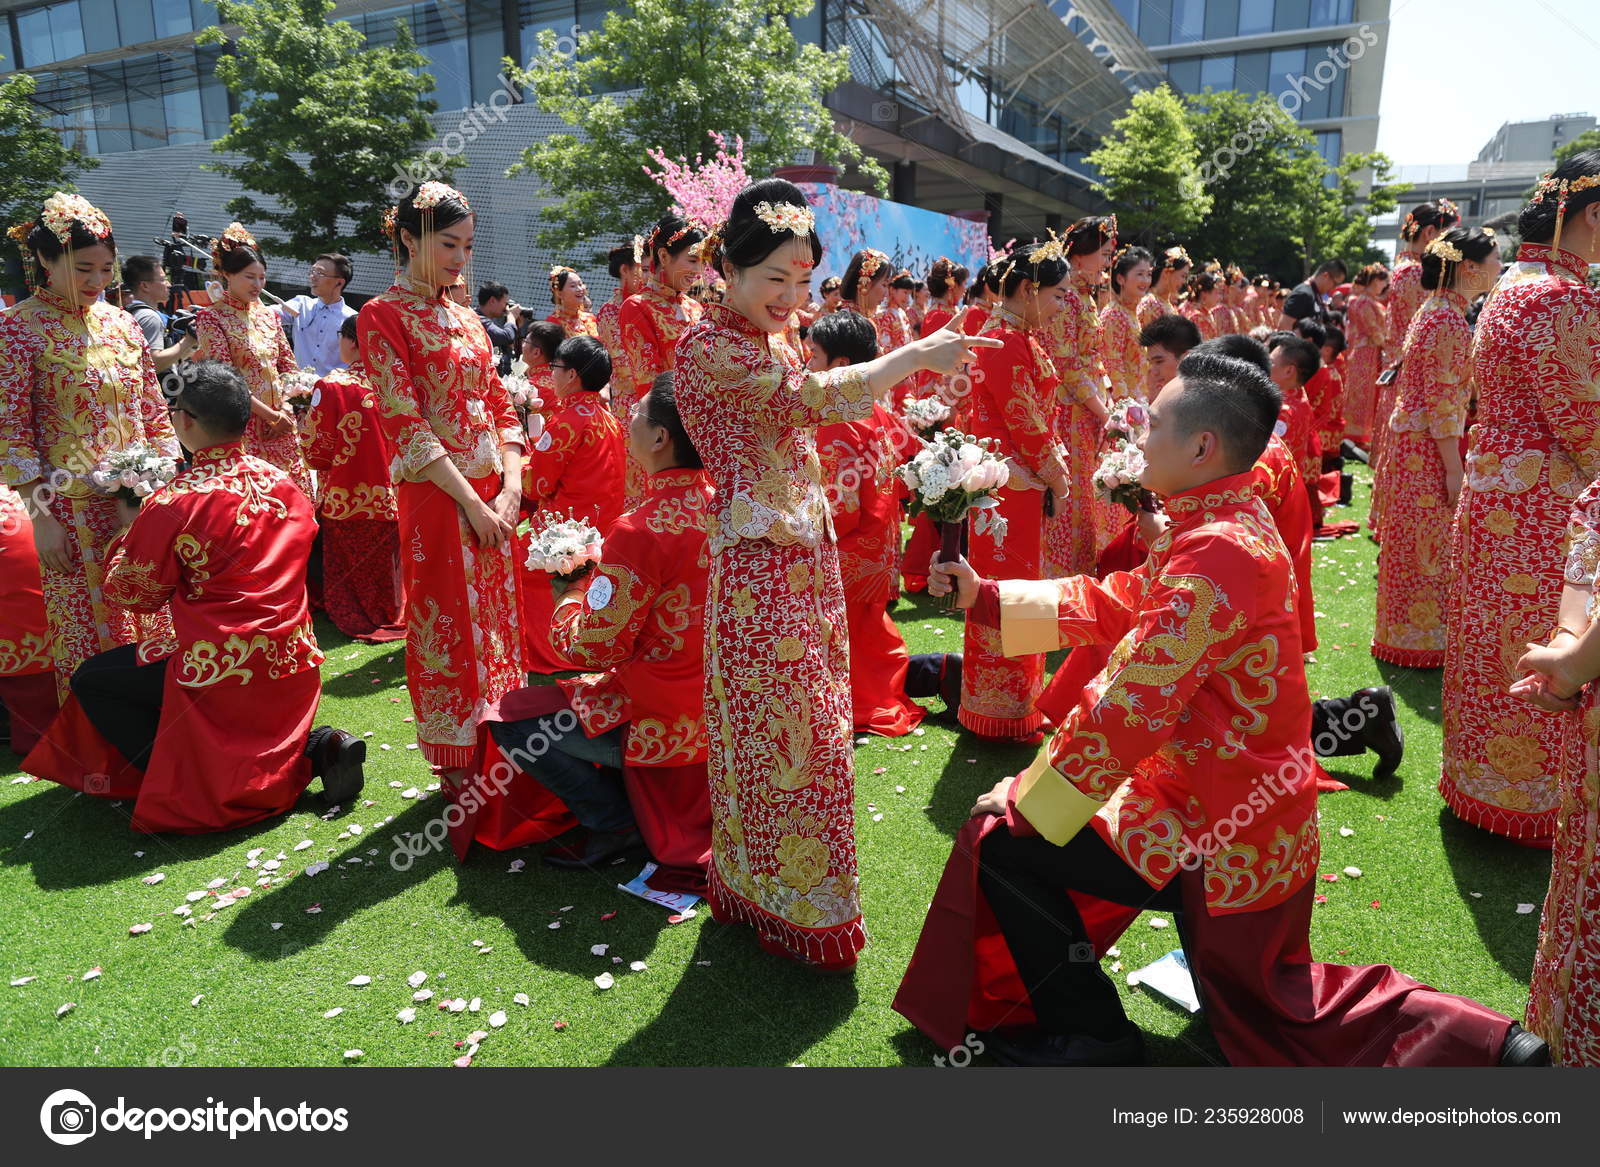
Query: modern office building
<point>1491,189</point>
<point>975,105</point>
<point>1323,59</point>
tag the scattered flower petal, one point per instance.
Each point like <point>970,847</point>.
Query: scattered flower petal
<point>604,981</point>
<point>554,924</point>
<point>92,974</point>
<point>1524,909</point>
<point>139,929</point>
<point>314,868</point>
<point>1353,872</point>
<point>517,865</point>
<point>406,1016</point>
<point>22,981</point>
<point>604,916</point>
<point>154,878</point>
<point>497,1019</point>
<point>558,1026</point>
<point>197,998</point>
<point>462,1062</point>
<point>638,966</point>
<point>303,844</point>
<point>334,1012</point>
<point>1345,832</point>
<point>475,1004</point>
<point>520,999</point>
<point>422,995</point>
<point>354,1055</point>
<point>67,1008</point>
<point>599,949</point>
<point>314,909</point>
<point>1159,922</point>
<point>416,978</point>
<point>195,895</point>
<point>359,981</point>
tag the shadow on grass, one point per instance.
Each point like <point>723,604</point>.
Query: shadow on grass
<point>739,1006</point>
<point>1417,690</point>
<point>961,782</point>
<point>1502,873</point>
<point>82,841</point>
<point>387,667</point>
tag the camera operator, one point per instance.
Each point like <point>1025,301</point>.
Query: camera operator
<point>503,320</point>
<point>147,285</point>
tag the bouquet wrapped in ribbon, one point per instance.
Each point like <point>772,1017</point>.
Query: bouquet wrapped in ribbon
<point>925,414</point>
<point>133,472</point>
<point>953,475</point>
<point>566,548</point>
<point>1122,465</point>
<point>525,399</point>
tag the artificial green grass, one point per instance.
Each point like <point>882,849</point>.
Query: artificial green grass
<point>70,887</point>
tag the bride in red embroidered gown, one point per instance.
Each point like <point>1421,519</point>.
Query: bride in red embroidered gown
<point>1126,367</point>
<point>459,450</point>
<point>241,331</point>
<point>76,383</point>
<point>570,297</point>
<point>777,684</point>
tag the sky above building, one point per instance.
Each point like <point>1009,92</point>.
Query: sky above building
<point>1457,70</point>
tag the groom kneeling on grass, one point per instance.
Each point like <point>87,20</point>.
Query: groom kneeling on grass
<point>1188,756</point>
<point>214,731</point>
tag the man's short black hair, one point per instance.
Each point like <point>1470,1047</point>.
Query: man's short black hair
<point>845,334</point>
<point>1311,329</point>
<point>343,269</point>
<point>1176,334</point>
<point>1233,399</point>
<point>351,329</point>
<point>660,408</point>
<point>487,292</point>
<point>139,269</point>
<point>546,336</point>
<point>1302,354</point>
<point>1240,348</point>
<point>588,358</point>
<point>215,395</point>
<point>1331,267</point>
<point>1335,339</point>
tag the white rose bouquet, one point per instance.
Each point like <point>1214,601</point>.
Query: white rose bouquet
<point>952,475</point>
<point>133,472</point>
<point>567,548</point>
<point>925,415</point>
<point>298,388</point>
<point>1117,477</point>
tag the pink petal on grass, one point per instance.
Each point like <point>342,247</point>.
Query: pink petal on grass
<point>139,929</point>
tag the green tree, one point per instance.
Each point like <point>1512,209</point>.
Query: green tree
<point>1332,218</point>
<point>34,163</point>
<point>661,73</point>
<point>1150,170</point>
<point>325,125</point>
<point>1588,140</point>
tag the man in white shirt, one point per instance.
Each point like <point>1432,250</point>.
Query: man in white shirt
<point>313,321</point>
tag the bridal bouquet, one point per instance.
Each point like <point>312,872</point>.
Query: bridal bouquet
<point>566,548</point>
<point>298,389</point>
<point>133,472</point>
<point>925,414</point>
<point>1127,421</point>
<point>525,399</point>
<point>1117,477</point>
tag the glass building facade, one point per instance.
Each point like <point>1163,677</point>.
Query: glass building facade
<point>1176,22</point>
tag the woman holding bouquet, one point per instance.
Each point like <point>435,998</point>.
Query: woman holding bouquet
<point>1075,532</point>
<point>76,385</point>
<point>777,684</point>
<point>1014,392</point>
<point>1126,368</point>
<point>1420,475</point>
<point>571,299</point>
<point>241,331</point>
<point>650,322</point>
<point>458,449</point>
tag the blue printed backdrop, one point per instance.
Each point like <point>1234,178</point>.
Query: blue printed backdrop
<point>848,221</point>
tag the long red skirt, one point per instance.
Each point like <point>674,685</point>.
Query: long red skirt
<point>225,756</point>
<point>361,589</point>
<point>919,552</point>
<point>31,703</point>
<point>1000,694</point>
<point>463,640</point>
<point>1267,1002</point>
<point>878,664</point>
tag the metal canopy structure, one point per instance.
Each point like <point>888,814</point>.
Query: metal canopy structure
<point>1025,50</point>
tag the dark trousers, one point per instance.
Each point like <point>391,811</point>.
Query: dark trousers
<point>1025,879</point>
<point>583,772</point>
<point>923,674</point>
<point>122,699</point>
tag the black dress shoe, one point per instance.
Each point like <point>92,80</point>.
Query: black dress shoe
<point>1523,1048</point>
<point>337,757</point>
<point>1036,1048</point>
<point>950,683</point>
<point>1383,733</point>
<point>600,849</point>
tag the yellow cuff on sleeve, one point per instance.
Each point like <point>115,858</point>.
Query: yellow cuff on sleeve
<point>1029,611</point>
<point>1055,808</point>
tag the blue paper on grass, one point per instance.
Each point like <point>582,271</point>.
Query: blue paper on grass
<point>673,901</point>
<point>1170,978</point>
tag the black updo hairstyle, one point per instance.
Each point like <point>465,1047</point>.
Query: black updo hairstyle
<point>660,408</point>
<point>1011,271</point>
<point>745,239</point>
<point>1091,234</point>
<point>1425,215</point>
<point>1128,259</point>
<point>904,282</point>
<point>446,213</point>
<point>851,284</point>
<point>43,245</point>
<point>944,274</point>
<point>1202,281</point>
<point>831,284</point>
<point>674,233</point>
<point>1166,261</point>
<point>1537,222</point>
<point>1474,243</point>
<point>618,258</point>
